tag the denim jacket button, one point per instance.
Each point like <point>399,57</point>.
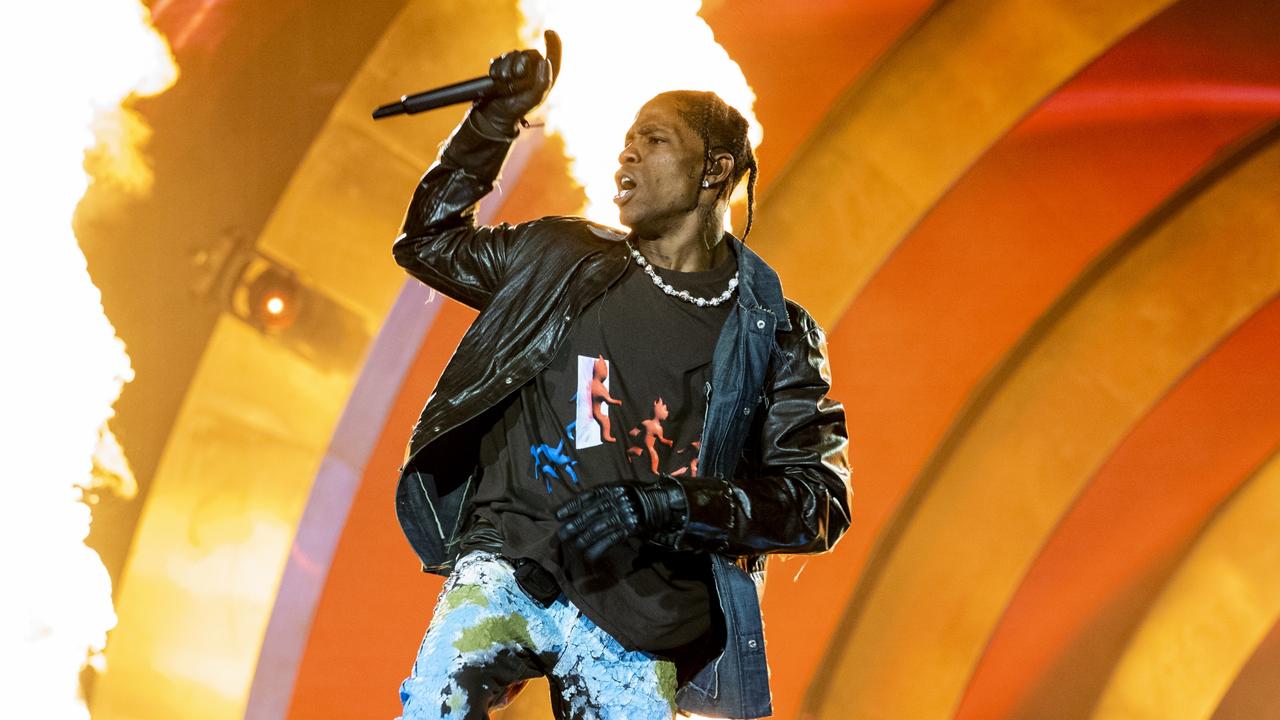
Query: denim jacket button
<point>760,324</point>
<point>751,643</point>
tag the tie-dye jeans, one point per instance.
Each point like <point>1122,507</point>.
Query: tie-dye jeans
<point>488,637</point>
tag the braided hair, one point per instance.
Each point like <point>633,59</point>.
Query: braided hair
<point>723,129</point>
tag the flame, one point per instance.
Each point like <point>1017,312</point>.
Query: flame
<point>618,55</point>
<point>68,68</point>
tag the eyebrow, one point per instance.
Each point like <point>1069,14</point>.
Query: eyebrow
<point>647,129</point>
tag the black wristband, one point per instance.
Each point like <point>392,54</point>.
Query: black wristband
<point>490,128</point>
<point>664,505</point>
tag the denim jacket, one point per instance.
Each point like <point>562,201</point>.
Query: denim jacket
<point>773,465</point>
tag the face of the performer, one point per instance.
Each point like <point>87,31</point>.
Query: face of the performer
<point>661,164</point>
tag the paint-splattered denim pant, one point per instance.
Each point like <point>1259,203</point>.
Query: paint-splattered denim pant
<point>488,637</point>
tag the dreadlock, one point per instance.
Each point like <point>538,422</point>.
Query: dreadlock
<point>723,129</point>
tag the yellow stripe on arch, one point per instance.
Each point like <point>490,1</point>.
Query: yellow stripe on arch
<point>1217,607</point>
<point>900,137</point>
<point>1027,446</point>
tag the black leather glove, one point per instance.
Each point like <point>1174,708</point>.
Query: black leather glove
<point>597,519</point>
<point>523,79</point>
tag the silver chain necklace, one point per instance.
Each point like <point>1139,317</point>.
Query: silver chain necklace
<point>682,294</point>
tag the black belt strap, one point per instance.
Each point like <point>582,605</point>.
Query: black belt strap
<point>536,581</point>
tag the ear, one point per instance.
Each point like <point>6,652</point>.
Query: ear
<point>721,169</point>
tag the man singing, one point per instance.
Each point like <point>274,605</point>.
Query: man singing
<point>630,426</point>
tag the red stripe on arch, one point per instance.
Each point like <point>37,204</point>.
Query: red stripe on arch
<point>1137,515</point>
<point>956,295</point>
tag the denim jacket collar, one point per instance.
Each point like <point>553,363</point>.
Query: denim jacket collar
<point>758,284</point>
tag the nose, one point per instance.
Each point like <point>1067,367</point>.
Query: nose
<point>628,155</point>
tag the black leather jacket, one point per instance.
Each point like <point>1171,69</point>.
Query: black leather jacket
<point>773,453</point>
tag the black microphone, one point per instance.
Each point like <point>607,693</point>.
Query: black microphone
<point>465,91</point>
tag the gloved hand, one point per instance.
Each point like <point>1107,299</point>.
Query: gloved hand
<point>597,519</point>
<point>523,80</point>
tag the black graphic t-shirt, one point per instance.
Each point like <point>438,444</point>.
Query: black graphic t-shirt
<point>624,399</point>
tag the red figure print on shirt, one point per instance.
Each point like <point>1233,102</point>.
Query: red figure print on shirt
<point>692,467</point>
<point>652,434</point>
<point>600,395</point>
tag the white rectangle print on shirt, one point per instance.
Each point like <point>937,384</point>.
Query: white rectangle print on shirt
<point>586,429</point>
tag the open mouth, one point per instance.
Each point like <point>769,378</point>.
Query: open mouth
<point>626,186</point>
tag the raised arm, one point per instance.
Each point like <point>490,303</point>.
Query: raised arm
<point>440,243</point>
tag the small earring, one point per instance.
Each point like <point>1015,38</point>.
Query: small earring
<point>706,183</point>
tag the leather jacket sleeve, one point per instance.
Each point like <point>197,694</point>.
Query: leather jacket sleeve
<point>440,243</point>
<point>791,493</point>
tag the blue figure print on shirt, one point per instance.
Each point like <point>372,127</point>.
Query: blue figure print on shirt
<point>547,460</point>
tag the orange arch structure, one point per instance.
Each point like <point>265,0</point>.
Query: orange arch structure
<point>1043,239</point>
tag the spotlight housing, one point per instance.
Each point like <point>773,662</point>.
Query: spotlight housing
<point>280,303</point>
<point>273,300</point>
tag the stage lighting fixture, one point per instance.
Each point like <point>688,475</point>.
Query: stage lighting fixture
<point>281,304</point>
<point>273,299</point>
